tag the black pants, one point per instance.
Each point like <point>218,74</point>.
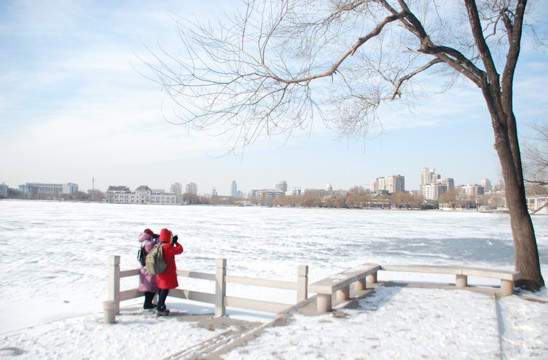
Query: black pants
<point>149,296</point>
<point>162,295</point>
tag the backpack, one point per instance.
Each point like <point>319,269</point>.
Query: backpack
<point>155,260</point>
<point>142,254</point>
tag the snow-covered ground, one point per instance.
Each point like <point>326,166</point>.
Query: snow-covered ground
<point>55,258</point>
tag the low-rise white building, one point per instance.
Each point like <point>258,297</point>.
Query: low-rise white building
<point>32,189</point>
<point>266,196</point>
<point>142,195</point>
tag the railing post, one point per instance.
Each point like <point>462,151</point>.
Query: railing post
<point>114,281</point>
<point>111,307</point>
<point>324,303</point>
<point>343,294</point>
<point>506,287</point>
<point>360,285</point>
<point>220,288</point>
<point>302,283</point>
<point>461,281</point>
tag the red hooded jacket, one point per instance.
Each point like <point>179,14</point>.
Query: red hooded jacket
<point>168,279</point>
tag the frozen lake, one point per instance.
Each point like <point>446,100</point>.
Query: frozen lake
<point>57,253</point>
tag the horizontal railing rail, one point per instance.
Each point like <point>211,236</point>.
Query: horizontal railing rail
<point>506,277</point>
<point>219,298</point>
<point>338,285</point>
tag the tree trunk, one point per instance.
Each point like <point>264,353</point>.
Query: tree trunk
<point>506,143</point>
<point>525,245</point>
<point>500,105</point>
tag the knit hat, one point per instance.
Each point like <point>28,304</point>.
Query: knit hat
<point>148,231</point>
<point>165,235</point>
<point>144,236</point>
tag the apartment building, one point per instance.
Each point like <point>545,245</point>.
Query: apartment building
<point>391,184</point>
<point>191,188</point>
<point>433,185</point>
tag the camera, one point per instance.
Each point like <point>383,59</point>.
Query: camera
<point>156,236</point>
<point>175,238</point>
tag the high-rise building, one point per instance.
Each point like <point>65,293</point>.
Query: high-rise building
<point>449,182</point>
<point>433,191</point>
<point>3,190</point>
<point>433,186</point>
<point>392,184</point>
<point>176,188</point>
<point>486,185</point>
<point>499,185</point>
<point>191,188</point>
<point>282,185</point>
<point>374,186</point>
<point>234,189</point>
<point>428,176</point>
<point>381,183</point>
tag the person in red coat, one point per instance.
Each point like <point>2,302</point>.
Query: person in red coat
<point>168,279</point>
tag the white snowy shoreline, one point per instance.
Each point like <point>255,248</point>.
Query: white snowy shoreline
<point>60,283</point>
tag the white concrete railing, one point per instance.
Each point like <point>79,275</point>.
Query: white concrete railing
<point>338,285</point>
<point>219,298</point>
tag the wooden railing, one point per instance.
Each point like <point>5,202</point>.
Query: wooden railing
<point>219,298</point>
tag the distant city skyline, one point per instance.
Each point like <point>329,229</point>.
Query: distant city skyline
<point>77,103</point>
<point>193,187</point>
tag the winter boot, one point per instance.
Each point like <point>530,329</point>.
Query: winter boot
<point>162,311</point>
<point>149,296</point>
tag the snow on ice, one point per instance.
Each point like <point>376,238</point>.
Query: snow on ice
<point>55,258</point>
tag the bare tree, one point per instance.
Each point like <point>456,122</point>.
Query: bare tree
<point>450,197</point>
<point>536,156</point>
<point>356,197</point>
<point>280,64</point>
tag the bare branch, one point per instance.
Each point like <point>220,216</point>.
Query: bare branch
<point>535,153</point>
<point>483,48</point>
<point>247,71</point>
<point>410,75</point>
<point>350,52</point>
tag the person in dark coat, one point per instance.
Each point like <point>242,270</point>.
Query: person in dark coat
<point>147,281</point>
<point>168,279</point>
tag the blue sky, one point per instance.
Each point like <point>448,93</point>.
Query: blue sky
<point>75,106</point>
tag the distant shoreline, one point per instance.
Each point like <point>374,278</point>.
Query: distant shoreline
<point>496,211</point>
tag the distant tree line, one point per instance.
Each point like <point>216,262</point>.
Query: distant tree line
<point>355,198</point>
<point>74,196</point>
